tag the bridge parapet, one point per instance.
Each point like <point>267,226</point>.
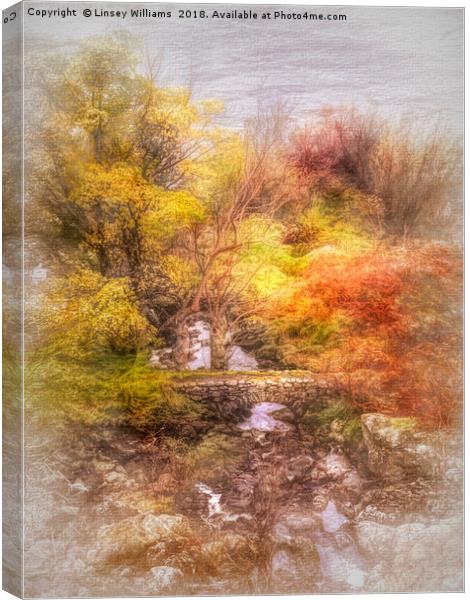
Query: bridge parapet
<point>292,388</point>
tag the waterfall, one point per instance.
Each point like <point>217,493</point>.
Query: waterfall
<point>200,352</point>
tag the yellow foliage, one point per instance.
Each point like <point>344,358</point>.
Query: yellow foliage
<point>218,172</point>
<point>175,210</point>
<point>119,188</point>
<point>88,312</point>
<point>180,272</point>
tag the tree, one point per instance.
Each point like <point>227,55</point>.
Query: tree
<point>386,323</point>
<point>110,159</point>
<point>242,196</point>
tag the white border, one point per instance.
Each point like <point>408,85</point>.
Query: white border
<point>416,3</point>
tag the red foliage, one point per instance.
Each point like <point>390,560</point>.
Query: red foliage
<point>316,153</point>
<point>339,145</point>
<point>365,288</point>
<point>399,351</point>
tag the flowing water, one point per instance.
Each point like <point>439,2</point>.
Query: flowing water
<point>200,352</point>
<point>269,508</point>
<point>299,541</point>
<point>260,418</point>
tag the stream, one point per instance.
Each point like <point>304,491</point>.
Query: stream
<point>305,540</point>
<point>259,505</point>
<point>284,499</point>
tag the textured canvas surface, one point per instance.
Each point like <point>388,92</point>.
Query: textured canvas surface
<point>239,234</point>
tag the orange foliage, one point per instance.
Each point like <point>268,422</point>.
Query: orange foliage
<point>366,288</point>
<point>399,350</point>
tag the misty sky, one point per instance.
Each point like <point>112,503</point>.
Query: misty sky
<point>403,62</point>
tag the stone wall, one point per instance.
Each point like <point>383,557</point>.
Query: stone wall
<point>231,392</point>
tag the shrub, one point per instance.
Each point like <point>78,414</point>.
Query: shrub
<point>411,177</point>
<point>394,319</point>
<point>345,416</point>
<point>86,313</point>
<point>109,390</point>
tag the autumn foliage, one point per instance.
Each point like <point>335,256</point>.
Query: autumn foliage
<point>311,247</point>
<point>393,313</point>
<point>409,177</point>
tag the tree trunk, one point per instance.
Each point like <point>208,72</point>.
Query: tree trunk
<point>182,345</point>
<point>220,343</point>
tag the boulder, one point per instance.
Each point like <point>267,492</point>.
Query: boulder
<point>239,360</point>
<point>284,414</point>
<point>342,568</point>
<point>396,449</point>
<point>305,523</point>
<point>130,538</point>
<point>352,483</point>
<point>334,466</point>
<point>283,564</point>
<point>230,551</point>
<point>161,579</point>
<point>118,478</point>
<point>413,557</point>
<point>296,531</point>
<point>293,572</point>
<point>155,582</point>
<point>298,467</point>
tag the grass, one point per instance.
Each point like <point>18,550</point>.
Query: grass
<point>108,389</point>
<point>403,423</point>
<point>207,373</point>
<point>347,420</point>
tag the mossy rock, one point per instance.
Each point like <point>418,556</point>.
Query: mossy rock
<point>216,458</point>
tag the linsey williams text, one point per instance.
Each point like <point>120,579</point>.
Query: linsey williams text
<point>136,13</point>
<point>139,13</point>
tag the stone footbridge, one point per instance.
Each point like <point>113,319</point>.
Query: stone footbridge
<point>228,392</point>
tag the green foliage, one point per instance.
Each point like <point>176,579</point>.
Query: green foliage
<point>86,314</point>
<point>108,389</point>
<point>322,226</point>
<point>404,423</point>
<point>339,417</point>
<point>352,431</point>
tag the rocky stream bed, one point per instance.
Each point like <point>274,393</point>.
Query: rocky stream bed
<point>268,507</point>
